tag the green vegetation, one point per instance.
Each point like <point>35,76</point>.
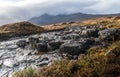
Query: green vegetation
<point>98,62</point>
<point>29,72</point>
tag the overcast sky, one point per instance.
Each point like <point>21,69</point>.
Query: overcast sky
<point>19,10</point>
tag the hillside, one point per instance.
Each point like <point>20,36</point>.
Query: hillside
<point>47,19</point>
<point>18,29</point>
<point>25,28</point>
<point>79,49</point>
<point>69,49</point>
<point>106,22</point>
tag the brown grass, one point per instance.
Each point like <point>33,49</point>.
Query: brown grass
<point>107,22</point>
<point>26,27</point>
<point>92,64</point>
<point>20,27</point>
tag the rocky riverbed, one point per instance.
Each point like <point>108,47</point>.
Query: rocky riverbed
<point>21,52</point>
<point>14,58</point>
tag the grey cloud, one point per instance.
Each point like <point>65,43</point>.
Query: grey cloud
<point>106,7</point>
<point>60,7</point>
<point>54,7</point>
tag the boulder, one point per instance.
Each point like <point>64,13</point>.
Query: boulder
<point>55,44</point>
<point>33,41</point>
<point>71,36</point>
<point>87,41</point>
<point>42,47</point>
<point>73,28</point>
<point>22,43</point>
<point>10,63</point>
<point>72,48</point>
<point>109,34</point>
<point>90,33</point>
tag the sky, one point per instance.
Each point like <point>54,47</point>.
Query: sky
<point>21,10</point>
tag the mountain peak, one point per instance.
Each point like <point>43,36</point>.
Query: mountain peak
<point>45,15</point>
<point>47,19</point>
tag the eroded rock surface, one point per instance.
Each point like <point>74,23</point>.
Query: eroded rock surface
<point>14,58</point>
<point>19,53</point>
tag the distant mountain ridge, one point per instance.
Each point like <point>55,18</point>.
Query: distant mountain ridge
<point>47,19</point>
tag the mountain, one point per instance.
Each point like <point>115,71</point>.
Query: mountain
<point>47,19</point>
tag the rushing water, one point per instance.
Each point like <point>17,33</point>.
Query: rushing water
<point>13,58</point>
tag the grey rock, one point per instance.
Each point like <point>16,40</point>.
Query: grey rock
<point>73,28</point>
<point>71,36</point>
<point>87,41</point>
<point>1,62</point>
<point>72,48</point>
<point>90,33</point>
<point>55,44</point>
<point>44,59</point>
<point>41,64</point>
<point>13,58</point>
<point>107,34</point>
<point>10,63</point>
<point>21,43</point>
<point>42,47</point>
<point>33,40</point>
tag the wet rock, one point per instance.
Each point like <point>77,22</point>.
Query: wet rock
<point>1,62</point>
<point>118,34</point>
<point>33,41</point>
<point>13,58</point>
<point>87,41</point>
<point>71,36</point>
<point>55,44</point>
<point>41,64</point>
<point>42,47</point>
<point>73,28</point>
<point>45,59</point>
<point>108,34</point>
<point>10,63</point>
<point>22,43</point>
<point>97,41</point>
<point>72,48</point>
<point>90,33</point>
